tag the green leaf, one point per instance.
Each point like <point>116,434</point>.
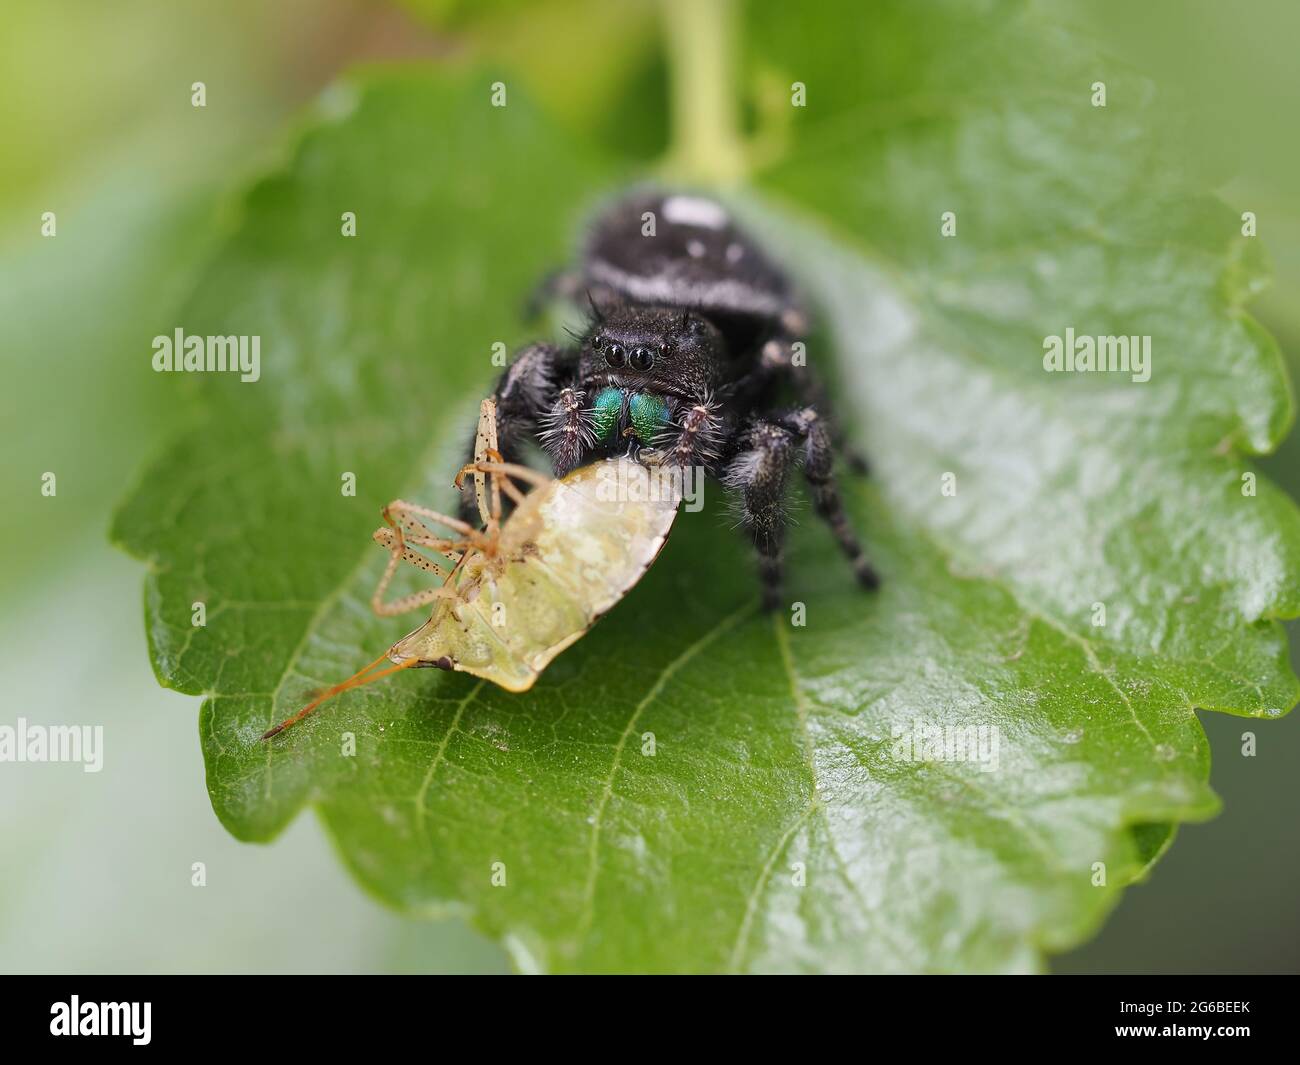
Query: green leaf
<point>776,826</point>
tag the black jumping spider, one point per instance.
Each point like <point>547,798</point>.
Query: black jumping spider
<point>691,340</point>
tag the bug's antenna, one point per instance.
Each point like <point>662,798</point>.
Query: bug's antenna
<point>360,677</point>
<point>600,317</point>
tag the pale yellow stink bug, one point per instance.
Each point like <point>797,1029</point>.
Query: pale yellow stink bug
<point>517,592</point>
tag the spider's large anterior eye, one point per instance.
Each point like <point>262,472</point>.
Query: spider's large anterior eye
<point>614,354</point>
<point>642,359</point>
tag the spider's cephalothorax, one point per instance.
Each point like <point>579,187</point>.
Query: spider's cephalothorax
<point>689,351</point>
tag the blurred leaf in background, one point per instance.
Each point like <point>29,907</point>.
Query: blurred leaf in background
<point>1235,880</point>
<point>1231,69</point>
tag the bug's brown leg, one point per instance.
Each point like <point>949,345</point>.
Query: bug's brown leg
<point>513,469</point>
<point>360,677</point>
<point>485,444</point>
<point>399,517</point>
<point>407,603</point>
<point>402,509</point>
<point>393,539</point>
<point>416,532</point>
<point>523,395</point>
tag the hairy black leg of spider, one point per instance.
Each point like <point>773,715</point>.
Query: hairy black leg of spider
<point>777,358</point>
<point>569,429</point>
<point>759,472</point>
<point>695,435</point>
<point>810,428</point>
<point>523,394</point>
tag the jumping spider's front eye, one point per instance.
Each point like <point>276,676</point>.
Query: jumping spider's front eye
<point>598,343</point>
<point>614,355</point>
<point>665,349</point>
<point>642,359</point>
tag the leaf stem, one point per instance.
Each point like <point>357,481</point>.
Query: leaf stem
<point>700,39</point>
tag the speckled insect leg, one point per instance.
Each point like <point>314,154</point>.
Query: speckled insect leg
<point>777,358</point>
<point>408,514</point>
<point>392,538</point>
<point>523,395</point>
<point>759,473</point>
<point>811,429</point>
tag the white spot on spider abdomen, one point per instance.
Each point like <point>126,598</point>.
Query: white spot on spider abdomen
<point>693,211</point>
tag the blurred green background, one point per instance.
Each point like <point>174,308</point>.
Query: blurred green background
<point>99,128</point>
